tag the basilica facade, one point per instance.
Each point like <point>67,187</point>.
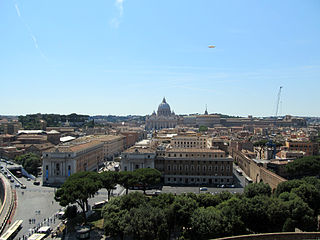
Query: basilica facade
<point>164,118</point>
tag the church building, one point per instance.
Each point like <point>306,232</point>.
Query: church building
<point>164,118</point>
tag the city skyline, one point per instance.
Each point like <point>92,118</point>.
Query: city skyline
<point>122,57</point>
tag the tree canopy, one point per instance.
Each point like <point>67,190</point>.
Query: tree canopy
<point>109,180</point>
<point>306,166</point>
<point>253,190</point>
<point>30,162</point>
<point>147,177</point>
<point>78,188</point>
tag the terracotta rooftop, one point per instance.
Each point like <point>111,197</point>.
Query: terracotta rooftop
<point>74,146</point>
<point>140,150</point>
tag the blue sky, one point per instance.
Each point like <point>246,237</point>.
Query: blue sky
<point>122,57</point>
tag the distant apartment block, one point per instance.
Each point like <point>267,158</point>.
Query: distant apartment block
<point>310,148</point>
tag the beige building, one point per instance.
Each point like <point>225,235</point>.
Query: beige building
<point>184,159</point>
<point>207,120</point>
<point>76,156</point>
<point>195,166</point>
<point>291,154</point>
<point>138,157</point>
<point>191,141</point>
<point>112,145</point>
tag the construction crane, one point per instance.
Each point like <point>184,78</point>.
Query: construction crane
<point>278,100</point>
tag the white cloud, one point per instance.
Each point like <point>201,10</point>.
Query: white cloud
<point>119,5</point>
<point>34,39</point>
<point>115,22</point>
<point>17,9</point>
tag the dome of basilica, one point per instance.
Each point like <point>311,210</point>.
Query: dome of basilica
<point>164,108</point>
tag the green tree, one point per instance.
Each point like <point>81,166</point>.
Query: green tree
<point>146,222</point>
<point>309,194</point>
<point>162,200</point>
<point>113,216</point>
<point>277,213</point>
<point>256,213</point>
<point>71,212</point>
<point>30,162</point>
<point>147,177</point>
<point>132,200</point>
<point>255,189</point>
<point>109,180</point>
<point>208,200</point>
<point>301,214</point>
<point>78,188</point>
<point>127,180</point>
<point>260,143</point>
<point>203,129</point>
<point>208,223</point>
<point>306,166</point>
<point>181,211</point>
<point>233,209</point>
<point>287,186</point>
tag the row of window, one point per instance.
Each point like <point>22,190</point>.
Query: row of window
<point>195,155</point>
<point>199,162</point>
<point>192,168</point>
<point>203,180</point>
<point>56,170</point>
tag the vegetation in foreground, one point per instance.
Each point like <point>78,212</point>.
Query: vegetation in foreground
<point>81,186</point>
<point>295,204</point>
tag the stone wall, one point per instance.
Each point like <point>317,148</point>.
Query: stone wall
<point>277,236</point>
<point>255,171</point>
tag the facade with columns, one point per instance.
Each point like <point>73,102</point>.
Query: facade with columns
<point>63,160</point>
<point>164,118</point>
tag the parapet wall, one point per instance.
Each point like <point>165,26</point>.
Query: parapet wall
<point>277,236</point>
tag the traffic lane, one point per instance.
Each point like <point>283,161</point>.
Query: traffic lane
<point>102,195</point>
<point>37,205</point>
<point>192,189</point>
<point>239,178</point>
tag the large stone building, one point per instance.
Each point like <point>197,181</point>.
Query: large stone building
<point>113,145</point>
<point>187,160</point>
<point>164,118</point>
<point>138,157</point>
<point>196,166</point>
<point>63,160</point>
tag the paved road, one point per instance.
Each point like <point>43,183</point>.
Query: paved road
<point>37,202</point>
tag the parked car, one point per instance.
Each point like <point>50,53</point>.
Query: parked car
<point>36,183</point>
<point>23,186</point>
<point>203,189</point>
